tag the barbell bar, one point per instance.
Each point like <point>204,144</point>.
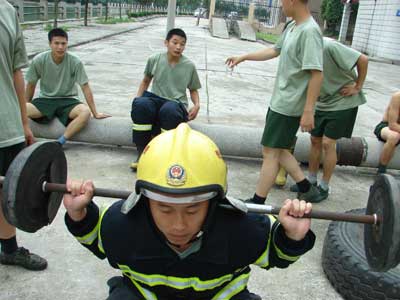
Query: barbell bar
<point>33,190</point>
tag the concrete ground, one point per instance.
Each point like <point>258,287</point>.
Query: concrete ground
<point>115,67</point>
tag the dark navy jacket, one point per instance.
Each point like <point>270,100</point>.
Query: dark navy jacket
<point>219,270</point>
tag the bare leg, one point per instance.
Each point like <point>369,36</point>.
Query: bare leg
<point>32,111</point>
<point>6,230</point>
<point>291,165</point>
<point>315,154</point>
<point>269,170</point>
<point>392,138</point>
<point>330,157</point>
<point>80,115</point>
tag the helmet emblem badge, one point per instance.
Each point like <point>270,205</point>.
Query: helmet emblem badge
<point>176,175</point>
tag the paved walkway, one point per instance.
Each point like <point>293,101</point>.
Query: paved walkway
<point>115,67</point>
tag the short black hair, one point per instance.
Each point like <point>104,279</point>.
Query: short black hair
<point>57,32</point>
<point>176,31</point>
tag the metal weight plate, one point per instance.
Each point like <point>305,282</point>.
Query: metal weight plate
<point>24,204</point>
<point>382,242</point>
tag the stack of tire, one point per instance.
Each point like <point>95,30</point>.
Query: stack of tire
<point>345,264</point>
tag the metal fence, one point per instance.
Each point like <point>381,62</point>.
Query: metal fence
<point>43,10</point>
<point>266,15</point>
<point>269,16</point>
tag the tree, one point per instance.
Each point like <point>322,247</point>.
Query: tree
<point>55,24</point>
<point>86,13</point>
<point>332,11</point>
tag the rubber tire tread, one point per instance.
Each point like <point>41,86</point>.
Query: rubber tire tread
<point>346,267</point>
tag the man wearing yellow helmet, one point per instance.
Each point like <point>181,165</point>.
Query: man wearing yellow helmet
<point>171,239</point>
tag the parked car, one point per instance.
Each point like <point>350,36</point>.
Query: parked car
<point>233,15</point>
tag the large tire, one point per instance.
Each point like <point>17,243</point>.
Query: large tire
<point>345,265</point>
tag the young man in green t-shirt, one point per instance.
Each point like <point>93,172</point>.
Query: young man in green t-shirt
<point>388,131</point>
<point>59,71</point>
<point>14,127</point>
<point>166,106</point>
<point>336,109</point>
<point>296,90</point>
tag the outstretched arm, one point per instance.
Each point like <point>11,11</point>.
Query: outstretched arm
<point>264,54</point>
<point>87,92</point>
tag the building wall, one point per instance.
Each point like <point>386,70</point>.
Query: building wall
<point>377,31</point>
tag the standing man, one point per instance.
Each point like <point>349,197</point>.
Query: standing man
<point>388,131</point>
<point>166,106</point>
<point>59,71</point>
<point>296,90</point>
<point>14,126</point>
<point>336,109</point>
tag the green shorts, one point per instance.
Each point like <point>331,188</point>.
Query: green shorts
<point>280,130</point>
<point>334,124</point>
<point>57,107</point>
<point>378,130</point>
<point>7,155</point>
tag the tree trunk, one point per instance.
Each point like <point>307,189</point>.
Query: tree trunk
<point>106,10</point>
<point>55,24</point>
<point>86,12</point>
<point>120,9</point>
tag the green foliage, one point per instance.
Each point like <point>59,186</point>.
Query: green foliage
<point>49,27</point>
<point>267,37</point>
<point>225,7</point>
<point>145,13</point>
<point>331,11</point>
<point>114,20</point>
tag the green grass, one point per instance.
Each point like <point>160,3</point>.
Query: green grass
<point>268,37</point>
<point>114,20</point>
<point>49,27</point>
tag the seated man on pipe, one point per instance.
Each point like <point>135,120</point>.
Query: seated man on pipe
<point>172,240</point>
<point>166,105</point>
<point>388,131</point>
<point>336,109</point>
<point>59,71</point>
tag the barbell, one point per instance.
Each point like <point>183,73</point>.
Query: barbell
<point>33,189</point>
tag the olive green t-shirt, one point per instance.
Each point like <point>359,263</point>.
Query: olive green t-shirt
<point>171,82</point>
<point>12,58</point>
<point>300,49</point>
<point>57,80</point>
<point>339,63</point>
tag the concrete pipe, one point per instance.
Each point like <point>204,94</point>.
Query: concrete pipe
<point>232,140</point>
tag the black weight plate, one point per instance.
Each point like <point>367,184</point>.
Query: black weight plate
<point>382,242</point>
<point>58,174</point>
<point>25,205</point>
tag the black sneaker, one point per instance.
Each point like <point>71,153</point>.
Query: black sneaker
<point>22,257</point>
<point>294,188</point>
<point>314,195</point>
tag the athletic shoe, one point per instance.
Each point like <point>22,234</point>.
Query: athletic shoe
<point>134,165</point>
<point>314,195</point>
<point>22,257</point>
<point>294,188</point>
<point>280,180</point>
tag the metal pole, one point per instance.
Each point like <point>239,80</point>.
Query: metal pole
<point>171,15</point>
<point>255,208</point>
